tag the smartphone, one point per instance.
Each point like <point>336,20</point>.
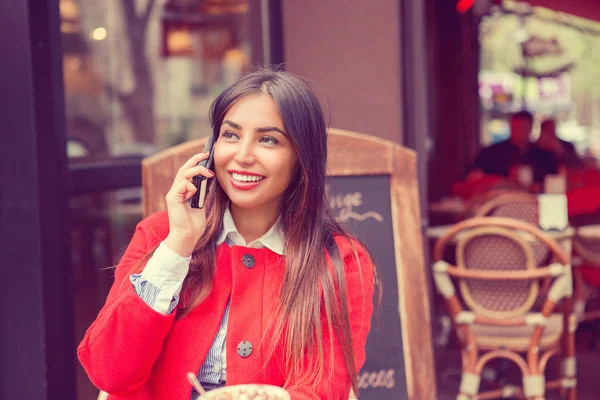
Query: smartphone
<point>202,182</point>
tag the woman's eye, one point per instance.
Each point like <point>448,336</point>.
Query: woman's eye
<point>228,135</point>
<point>269,140</point>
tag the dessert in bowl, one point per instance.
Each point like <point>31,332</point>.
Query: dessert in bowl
<point>247,392</point>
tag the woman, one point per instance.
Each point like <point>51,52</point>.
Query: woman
<point>260,286</point>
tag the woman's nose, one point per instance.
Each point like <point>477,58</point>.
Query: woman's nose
<point>245,154</point>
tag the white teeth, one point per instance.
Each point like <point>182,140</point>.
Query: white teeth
<point>247,178</point>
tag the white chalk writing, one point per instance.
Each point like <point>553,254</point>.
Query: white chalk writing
<point>343,206</point>
<point>377,379</point>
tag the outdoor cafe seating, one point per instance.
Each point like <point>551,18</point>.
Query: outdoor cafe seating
<point>492,264</point>
<point>504,305</point>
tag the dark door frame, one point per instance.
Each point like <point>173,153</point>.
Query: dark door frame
<point>38,354</point>
<point>415,90</point>
<point>416,101</point>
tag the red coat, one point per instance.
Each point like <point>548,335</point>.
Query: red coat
<point>135,353</point>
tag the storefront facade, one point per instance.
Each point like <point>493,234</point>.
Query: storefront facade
<point>92,88</point>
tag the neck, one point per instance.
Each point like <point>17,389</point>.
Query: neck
<point>253,223</point>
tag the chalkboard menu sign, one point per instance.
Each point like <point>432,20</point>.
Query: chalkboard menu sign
<point>362,205</point>
<point>373,192</point>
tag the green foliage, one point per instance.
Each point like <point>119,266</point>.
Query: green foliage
<point>501,51</point>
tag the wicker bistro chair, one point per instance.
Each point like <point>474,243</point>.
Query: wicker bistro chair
<point>516,205</point>
<point>475,203</point>
<point>520,206</point>
<point>493,312</point>
<point>586,249</point>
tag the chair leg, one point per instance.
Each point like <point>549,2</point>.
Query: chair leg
<point>534,387</point>
<point>568,394</point>
<point>569,378</point>
<point>469,386</point>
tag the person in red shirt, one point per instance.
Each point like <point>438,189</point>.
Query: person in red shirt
<point>260,286</point>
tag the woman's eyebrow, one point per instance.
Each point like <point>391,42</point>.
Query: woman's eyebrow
<point>270,129</point>
<point>259,130</point>
<point>232,124</point>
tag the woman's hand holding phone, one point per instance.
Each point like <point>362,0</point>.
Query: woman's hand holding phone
<point>186,224</point>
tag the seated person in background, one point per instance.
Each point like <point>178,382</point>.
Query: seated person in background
<point>564,151</point>
<point>505,157</point>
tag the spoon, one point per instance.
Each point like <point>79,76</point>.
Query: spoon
<point>191,377</point>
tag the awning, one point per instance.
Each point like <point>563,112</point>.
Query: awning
<point>589,9</point>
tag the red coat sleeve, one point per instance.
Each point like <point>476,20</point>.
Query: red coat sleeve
<point>360,286</point>
<point>121,346</point>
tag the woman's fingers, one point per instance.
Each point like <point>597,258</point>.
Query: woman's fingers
<point>182,188</point>
<point>195,159</point>
<point>186,224</point>
<point>198,170</point>
<point>191,189</point>
<point>179,191</point>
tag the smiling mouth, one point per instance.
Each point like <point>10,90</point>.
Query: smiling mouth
<point>245,182</point>
<point>246,178</point>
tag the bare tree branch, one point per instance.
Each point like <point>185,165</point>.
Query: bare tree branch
<point>147,12</point>
<point>132,15</point>
<point>129,10</point>
<point>138,103</point>
<point>113,92</point>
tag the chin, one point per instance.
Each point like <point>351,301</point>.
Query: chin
<point>254,201</point>
<point>245,202</point>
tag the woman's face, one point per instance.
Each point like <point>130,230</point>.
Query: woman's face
<point>254,160</point>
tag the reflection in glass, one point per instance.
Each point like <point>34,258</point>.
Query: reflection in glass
<point>139,77</point>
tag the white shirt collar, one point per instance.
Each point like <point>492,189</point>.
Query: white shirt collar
<point>272,239</point>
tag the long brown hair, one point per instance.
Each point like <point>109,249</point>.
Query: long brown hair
<point>308,287</point>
